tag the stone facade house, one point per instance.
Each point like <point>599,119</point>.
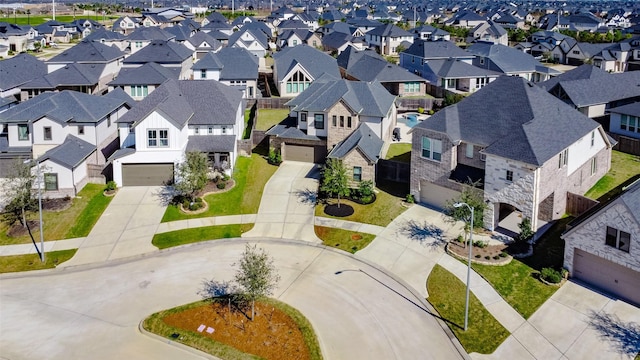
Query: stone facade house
<point>602,247</point>
<point>526,153</point>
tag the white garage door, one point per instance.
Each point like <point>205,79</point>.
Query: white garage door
<point>611,277</point>
<point>146,174</point>
<point>436,195</point>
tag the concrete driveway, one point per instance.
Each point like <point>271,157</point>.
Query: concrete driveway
<point>93,313</point>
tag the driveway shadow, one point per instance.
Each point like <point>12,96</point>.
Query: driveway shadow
<point>424,233</point>
<point>307,196</point>
<point>165,195</point>
<point>624,336</point>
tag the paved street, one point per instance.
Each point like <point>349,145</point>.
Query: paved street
<point>357,311</point>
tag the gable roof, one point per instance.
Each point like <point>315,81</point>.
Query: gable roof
<point>351,55</point>
<point>200,37</point>
<point>234,63</point>
<point>372,68</point>
<point>71,153</point>
<point>19,70</point>
<point>532,127</point>
<point>363,98</point>
<point>88,52</point>
<point>585,71</point>
<point>104,34</point>
<point>503,58</point>
<point>181,32</point>
<point>364,139</point>
<point>443,49</point>
<point>150,33</point>
<point>312,60</point>
<point>389,30</point>
<point>147,74</point>
<point>256,35</point>
<point>599,89</point>
<point>68,75</point>
<point>454,68</point>
<point>632,109</point>
<point>161,52</point>
<point>182,101</point>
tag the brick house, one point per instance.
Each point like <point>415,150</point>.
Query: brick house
<point>349,120</point>
<point>527,153</point>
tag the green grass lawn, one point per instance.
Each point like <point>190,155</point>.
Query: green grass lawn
<point>248,122</point>
<point>388,205</point>
<point>35,20</point>
<point>156,325</point>
<point>15,263</point>
<point>343,239</point>
<point>269,117</point>
<point>75,221</point>
<point>625,168</point>
<point>400,152</point>
<point>250,175</point>
<point>193,235</point>
<point>447,295</point>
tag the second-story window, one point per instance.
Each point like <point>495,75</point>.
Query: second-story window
<point>23,132</point>
<point>47,133</point>
<point>318,121</point>
<point>158,138</point>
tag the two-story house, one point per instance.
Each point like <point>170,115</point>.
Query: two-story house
<point>489,31</point>
<point>387,38</point>
<point>526,154</point>
<point>166,53</point>
<point>235,67</point>
<point>143,36</point>
<point>139,82</point>
<point>179,116</point>
<point>295,68</point>
<point>509,61</point>
<point>18,70</point>
<point>625,120</point>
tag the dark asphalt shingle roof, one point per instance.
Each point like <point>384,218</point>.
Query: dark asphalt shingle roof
<point>147,74</point>
<point>632,109</point>
<point>437,50</point>
<point>88,52</point>
<point>161,52</point>
<point>600,90</point>
<point>532,127</point>
<point>256,35</point>
<point>211,143</point>
<point>196,102</point>
<point>150,33</point>
<point>71,153</point>
<point>19,70</point>
<point>454,68</point>
<point>389,30</point>
<point>200,38</point>
<point>362,138</point>
<point>234,63</point>
<point>104,34</point>
<point>585,71</point>
<point>68,75</point>
<point>369,68</point>
<point>312,60</point>
<point>504,59</point>
<point>351,55</point>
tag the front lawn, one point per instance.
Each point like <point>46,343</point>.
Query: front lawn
<point>28,262</point>
<point>193,235</point>
<point>75,221</point>
<point>400,152</point>
<point>388,205</point>
<point>269,117</point>
<point>447,295</point>
<point>250,175</point>
<point>624,169</point>
<point>349,241</point>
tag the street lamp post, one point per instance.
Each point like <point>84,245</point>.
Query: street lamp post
<point>466,303</point>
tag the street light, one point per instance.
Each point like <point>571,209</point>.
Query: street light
<point>466,303</point>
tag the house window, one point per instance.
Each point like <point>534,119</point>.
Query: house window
<point>357,173</point>
<point>469,151</point>
<point>315,43</point>
<point>411,87</point>
<point>50,182</point>
<point>203,74</point>
<point>158,138</point>
<point>303,117</point>
<point>618,239</point>
<point>334,121</point>
<point>349,121</point>
<point>594,166</point>
<point>509,175</point>
<point>431,149</point>
<point>630,123</point>
<point>23,132</point>
<point>109,120</point>
<point>139,90</point>
<point>224,129</point>
<point>210,130</point>
<point>562,159</point>
<point>297,83</point>
<point>80,129</point>
<point>131,131</point>
<point>47,133</point>
<point>318,121</point>
<point>593,137</point>
<point>481,61</point>
<point>196,130</point>
<point>295,42</point>
<point>341,121</point>
<point>575,52</point>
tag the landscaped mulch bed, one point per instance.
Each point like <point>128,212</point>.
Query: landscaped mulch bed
<point>56,204</point>
<point>271,335</point>
<point>17,230</point>
<point>212,187</point>
<point>489,254</point>
<point>342,211</point>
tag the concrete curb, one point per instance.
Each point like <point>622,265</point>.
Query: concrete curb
<point>176,344</point>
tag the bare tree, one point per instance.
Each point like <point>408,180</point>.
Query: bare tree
<point>256,276</point>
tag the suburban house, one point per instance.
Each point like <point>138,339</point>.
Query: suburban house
<point>602,247</point>
<point>526,154</point>
<point>13,36</point>
<point>139,82</point>
<point>18,70</point>
<point>71,134</point>
<point>387,38</point>
<point>235,67</point>
<point>179,116</point>
<point>348,120</point>
<point>143,36</point>
<point>253,40</point>
<point>489,31</point>
<point>83,78</point>
<point>421,51</point>
<point>430,33</point>
<point>583,52</point>
<point>201,43</point>
<point>509,61</point>
<point>166,53</point>
<point>613,58</point>
<point>337,42</point>
<point>92,53</point>
<point>456,75</point>
<point>125,25</point>
<point>110,38</point>
<point>465,19</point>
<point>625,120</point>
<point>295,68</point>
<point>289,38</point>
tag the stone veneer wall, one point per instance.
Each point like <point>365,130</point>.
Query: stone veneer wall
<point>429,170</point>
<point>356,158</point>
<point>590,237</point>
<point>335,134</point>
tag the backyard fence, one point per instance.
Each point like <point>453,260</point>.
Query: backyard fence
<point>578,204</point>
<point>393,170</point>
<point>626,144</point>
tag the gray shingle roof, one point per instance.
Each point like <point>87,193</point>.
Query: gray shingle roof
<point>181,32</point>
<point>503,58</point>
<point>389,30</point>
<point>147,74</point>
<point>350,56</point>
<point>88,52</point>
<point>104,34</point>
<point>196,102</point>
<point>437,50</point>
<point>65,106</point>
<point>314,61</point>
<point>161,52</point>
<point>211,143</point>
<point>453,68</point>
<point>71,153</point>
<point>532,127</point>
<point>68,75</point>
<point>362,138</point>
<point>632,109</point>
<point>366,99</point>
<point>600,90</point>
<point>201,37</point>
<point>150,33</point>
<point>235,64</point>
<point>19,70</point>
<point>257,35</point>
<point>585,71</point>
<point>370,68</point>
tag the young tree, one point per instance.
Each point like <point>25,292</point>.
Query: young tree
<point>334,179</point>
<point>474,197</point>
<point>256,275</point>
<point>191,174</point>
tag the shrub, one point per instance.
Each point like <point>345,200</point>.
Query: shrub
<point>431,112</point>
<point>503,254</point>
<point>410,199</point>
<point>460,239</point>
<point>421,110</point>
<point>496,257</point>
<point>225,177</point>
<point>479,243</point>
<point>478,256</point>
<point>275,158</point>
<point>551,275</point>
<point>221,185</point>
<point>487,257</point>
<point>525,230</point>
<point>111,186</point>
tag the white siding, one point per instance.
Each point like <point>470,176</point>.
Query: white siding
<point>13,136</point>
<point>65,177</point>
<point>582,151</point>
<point>177,137</point>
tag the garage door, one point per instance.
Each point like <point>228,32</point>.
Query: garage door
<point>314,154</point>
<point>436,195</point>
<point>611,277</point>
<point>146,174</point>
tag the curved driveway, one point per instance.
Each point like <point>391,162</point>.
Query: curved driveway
<point>357,311</point>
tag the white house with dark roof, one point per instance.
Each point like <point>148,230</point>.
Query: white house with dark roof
<point>139,82</point>
<point>526,153</point>
<point>509,61</point>
<point>143,36</point>
<point>18,70</point>
<point>165,53</point>
<point>202,43</point>
<point>489,31</point>
<point>387,38</point>
<point>90,52</point>
<point>295,68</point>
<point>83,78</point>
<point>179,116</point>
<point>235,67</point>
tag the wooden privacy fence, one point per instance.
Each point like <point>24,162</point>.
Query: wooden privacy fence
<point>626,144</point>
<point>578,204</point>
<point>393,170</point>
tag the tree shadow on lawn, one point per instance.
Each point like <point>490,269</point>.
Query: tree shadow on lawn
<point>625,337</point>
<point>424,233</point>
